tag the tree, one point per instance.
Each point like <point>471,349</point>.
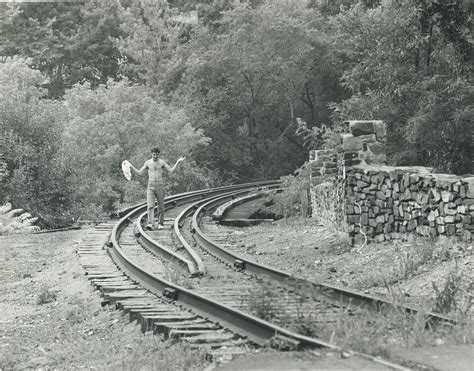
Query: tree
<point>121,120</point>
<point>154,35</point>
<point>31,133</point>
<point>250,81</point>
<point>403,61</point>
<point>69,42</point>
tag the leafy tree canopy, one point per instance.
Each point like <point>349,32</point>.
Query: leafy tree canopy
<point>69,42</point>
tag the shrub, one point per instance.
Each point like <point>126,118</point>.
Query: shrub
<point>46,296</point>
<point>453,295</point>
<point>262,302</point>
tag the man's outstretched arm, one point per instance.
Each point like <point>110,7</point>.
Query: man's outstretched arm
<point>141,171</point>
<point>171,169</point>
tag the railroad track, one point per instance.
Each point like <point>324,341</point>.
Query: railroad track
<point>184,283</point>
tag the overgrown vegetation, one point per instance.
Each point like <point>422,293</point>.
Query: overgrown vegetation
<point>413,258</point>
<point>45,296</point>
<point>377,330</point>
<point>294,198</point>
<point>174,273</point>
<point>328,205</point>
<point>262,301</point>
<point>85,85</point>
<point>447,297</point>
<point>155,354</point>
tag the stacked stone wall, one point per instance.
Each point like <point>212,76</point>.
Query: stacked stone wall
<point>323,162</point>
<point>384,202</point>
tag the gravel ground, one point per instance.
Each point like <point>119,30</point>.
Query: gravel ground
<point>52,318</point>
<point>302,248</point>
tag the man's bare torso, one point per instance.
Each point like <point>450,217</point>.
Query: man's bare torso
<point>155,171</point>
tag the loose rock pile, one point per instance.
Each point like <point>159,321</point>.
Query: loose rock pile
<point>15,221</point>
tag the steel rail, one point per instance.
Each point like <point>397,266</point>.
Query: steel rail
<point>179,220</point>
<point>194,266</point>
<point>177,226</point>
<point>163,251</point>
<point>260,184</point>
<point>255,329</point>
<point>336,294</point>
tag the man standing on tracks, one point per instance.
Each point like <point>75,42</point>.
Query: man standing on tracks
<point>156,186</point>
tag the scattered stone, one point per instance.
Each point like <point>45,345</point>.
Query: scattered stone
<point>438,342</point>
<point>345,354</point>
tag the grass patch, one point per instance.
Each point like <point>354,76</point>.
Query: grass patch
<point>154,354</point>
<point>76,310</point>
<point>377,330</point>
<point>45,296</point>
<point>328,206</point>
<point>410,259</point>
<point>455,295</point>
<point>177,275</point>
<point>263,301</point>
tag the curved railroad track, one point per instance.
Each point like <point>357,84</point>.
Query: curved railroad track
<point>185,284</point>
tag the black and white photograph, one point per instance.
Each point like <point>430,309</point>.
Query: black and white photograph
<point>233,185</point>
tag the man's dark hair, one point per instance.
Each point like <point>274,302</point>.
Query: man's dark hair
<point>155,150</point>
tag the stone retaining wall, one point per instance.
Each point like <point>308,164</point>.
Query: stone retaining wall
<point>384,202</point>
<point>323,162</point>
<point>391,202</point>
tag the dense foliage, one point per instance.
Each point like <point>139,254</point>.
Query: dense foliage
<point>228,84</point>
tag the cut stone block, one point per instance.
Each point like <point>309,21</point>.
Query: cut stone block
<point>380,130</point>
<point>370,138</point>
<point>361,127</point>
<point>351,143</point>
<point>470,187</point>
<point>377,148</point>
<point>372,159</point>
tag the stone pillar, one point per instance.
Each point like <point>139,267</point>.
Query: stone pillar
<point>323,162</point>
<point>365,143</point>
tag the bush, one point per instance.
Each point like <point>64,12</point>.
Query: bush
<point>46,296</point>
<point>453,295</point>
<point>293,200</point>
<point>36,177</point>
